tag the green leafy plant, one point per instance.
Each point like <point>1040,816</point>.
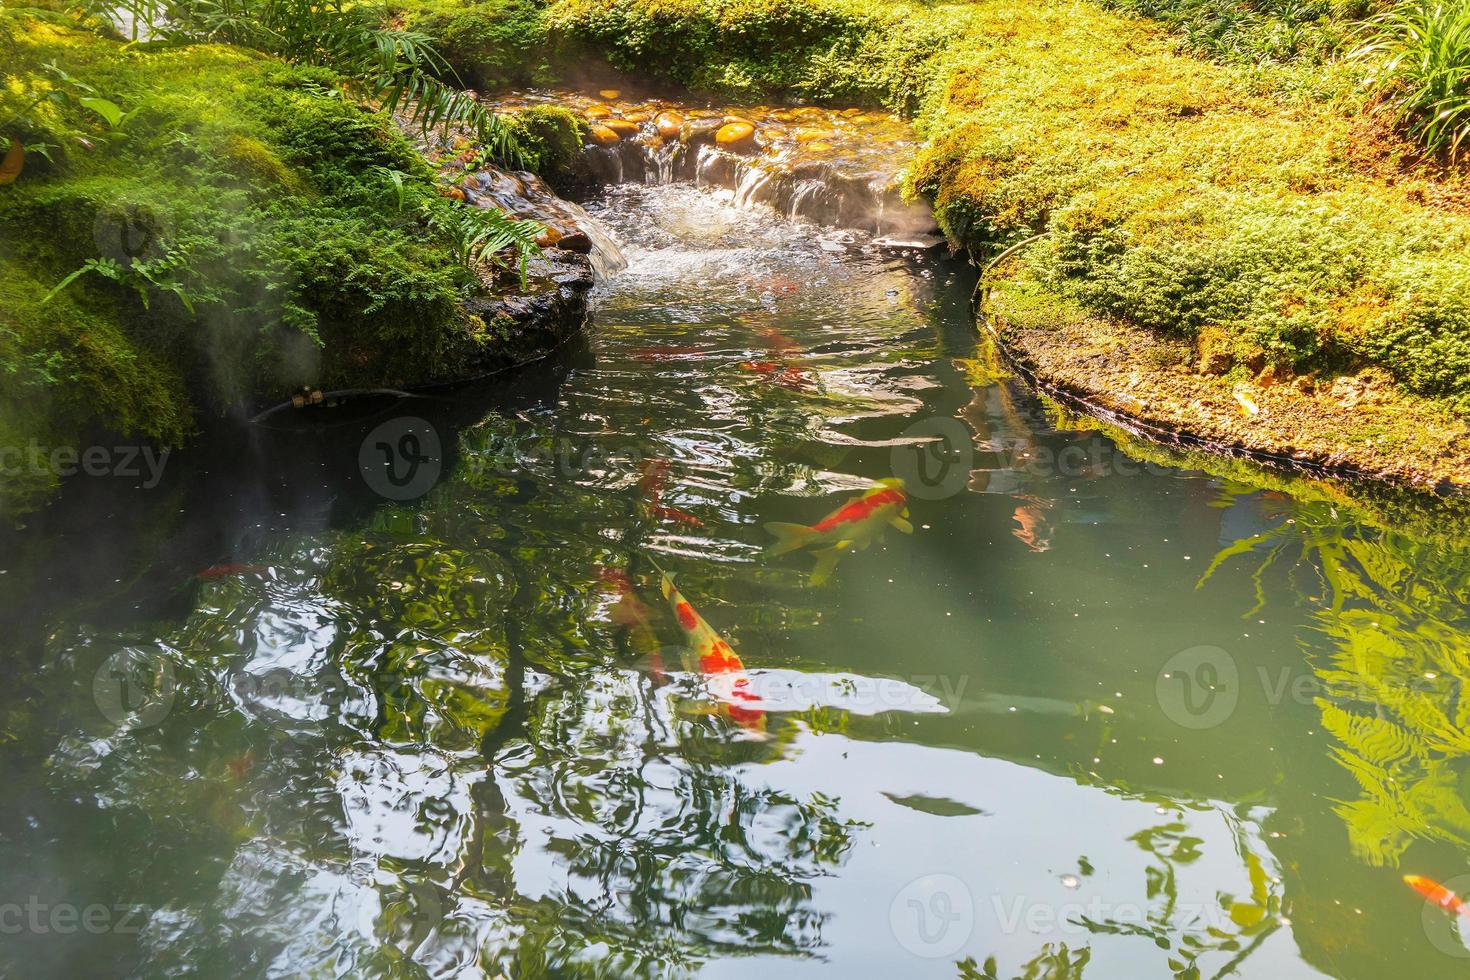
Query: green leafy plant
<point>398,68</point>
<point>481,234</point>
<point>1420,57</point>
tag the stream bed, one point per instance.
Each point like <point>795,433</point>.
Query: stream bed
<point>398,695</point>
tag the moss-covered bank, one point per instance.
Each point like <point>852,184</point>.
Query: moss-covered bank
<point>1251,209</point>
<point>246,228</point>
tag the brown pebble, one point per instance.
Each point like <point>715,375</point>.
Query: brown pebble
<point>604,136</point>
<point>669,124</point>
<point>736,136</point>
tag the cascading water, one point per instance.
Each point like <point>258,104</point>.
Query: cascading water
<point>833,168</point>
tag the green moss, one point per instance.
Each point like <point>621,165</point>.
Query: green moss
<point>854,52</point>
<point>488,45</point>
<point>550,137</point>
<point>259,201</point>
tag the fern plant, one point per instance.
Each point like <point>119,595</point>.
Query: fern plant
<point>399,69</point>
<point>481,235</point>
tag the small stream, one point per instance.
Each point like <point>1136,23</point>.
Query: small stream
<point>397,694</point>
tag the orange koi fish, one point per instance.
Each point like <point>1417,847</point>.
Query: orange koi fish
<point>723,672</point>
<point>676,516</point>
<point>225,571</point>
<point>787,376</point>
<point>651,486</point>
<point>760,367</point>
<point>852,527</point>
<point>1438,894</point>
<point>776,341</point>
<point>1034,531</point>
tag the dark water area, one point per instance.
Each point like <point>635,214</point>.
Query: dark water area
<point>395,692</point>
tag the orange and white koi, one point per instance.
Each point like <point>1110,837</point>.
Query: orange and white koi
<point>1438,894</point>
<point>724,673</point>
<point>852,527</point>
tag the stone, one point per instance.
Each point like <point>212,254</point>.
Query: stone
<point>609,93</point>
<point>670,125</point>
<point>549,237</point>
<point>1215,354</point>
<point>624,128</point>
<point>604,136</point>
<point>736,136</point>
<point>575,241</point>
<point>596,111</point>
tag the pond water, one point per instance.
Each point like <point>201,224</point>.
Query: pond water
<point>399,695</point>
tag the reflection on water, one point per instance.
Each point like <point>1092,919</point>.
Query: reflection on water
<point>1095,716</point>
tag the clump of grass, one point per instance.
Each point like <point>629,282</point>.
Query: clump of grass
<point>1420,53</point>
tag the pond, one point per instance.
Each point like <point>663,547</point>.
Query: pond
<point>399,695</point>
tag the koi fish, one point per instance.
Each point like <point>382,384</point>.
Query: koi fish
<point>789,376</point>
<point>760,367</point>
<point>676,515</point>
<point>631,614</point>
<point>225,571</point>
<point>776,341</point>
<point>1438,894</point>
<point>1034,530</point>
<point>853,526</point>
<point>651,486</point>
<point>793,377</point>
<point>724,674</point>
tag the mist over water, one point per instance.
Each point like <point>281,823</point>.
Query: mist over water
<point>1094,710</point>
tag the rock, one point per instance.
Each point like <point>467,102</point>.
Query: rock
<point>548,238</point>
<point>1305,385</point>
<point>1272,375</point>
<point>637,117</point>
<point>596,111</point>
<point>731,120</point>
<point>1215,354</point>
<point>609,93</point>
<point>736,136</point>
<point>575,241</point>
<point>604,136</point>
<point>1255,361</point>
<point>702,130</point>
<point>624,128</point>
<point>670,125</point>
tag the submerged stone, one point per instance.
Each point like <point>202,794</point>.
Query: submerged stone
<point>604,136</point>
<point>736,136</point>
<point>669,124</point>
